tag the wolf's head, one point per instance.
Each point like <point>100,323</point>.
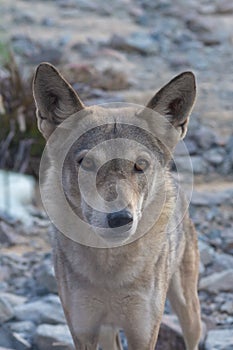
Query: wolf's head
<point>115,165</point>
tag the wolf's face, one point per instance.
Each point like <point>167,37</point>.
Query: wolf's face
<point>116,167</point>
<point>111,174</point>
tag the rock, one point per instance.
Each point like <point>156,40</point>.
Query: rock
<point>200,166</point>
<point>107,79</point>
<point>47,53</point>
<point>47,310</point>
<point>19,193</point>
<point>8,235</point>
<point>6,311</point>
<point>48,22</point>
<point>207,253</point>
<point>5,338</point>
<point>227,240</point>
<point>212,198</point>
<point>45,277</point>
<point>24,327</point>
<point>219,281</point>
<point>19,342</point>
<point>13,299</point>
<point>24,18</point>
<point>53,337</point>
<point>12,340</point>
<point>191,146</point>
<point>24,45</point>
<point>224,7</point>
<point>215,156</point>
<point>205,137</point>
<point>219,339</point>
<point>222,261</point>
<point>137,42</point>
<point>227,307</point>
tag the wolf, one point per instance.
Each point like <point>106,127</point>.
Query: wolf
<point>121,281</point>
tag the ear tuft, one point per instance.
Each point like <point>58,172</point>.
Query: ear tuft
<point>55,98</point>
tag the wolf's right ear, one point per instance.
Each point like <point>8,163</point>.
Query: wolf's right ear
<point>55,98</point>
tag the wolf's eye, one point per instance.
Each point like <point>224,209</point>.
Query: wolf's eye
<point>141,165</point>
<point>87,164</point>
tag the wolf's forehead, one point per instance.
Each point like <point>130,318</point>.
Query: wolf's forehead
<point>104,133</point>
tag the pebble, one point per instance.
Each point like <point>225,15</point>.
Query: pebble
<point>227,307</point>
<point>45,277</point>
<point>218,281</point>
<point>207,253</point>
<point>137,42</point>
<point>6,310</point>
<point>53,337</point>
<point>205,137</point>
<point>45,310</point>
<point>219,339</point>
<point>224,7</point>
<point>215,156</point>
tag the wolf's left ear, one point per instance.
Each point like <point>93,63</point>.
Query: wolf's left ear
<point>175,101</point>
<point>55,98</point>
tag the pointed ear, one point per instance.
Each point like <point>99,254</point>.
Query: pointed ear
<point>175,101</point>
<point>55,99</point>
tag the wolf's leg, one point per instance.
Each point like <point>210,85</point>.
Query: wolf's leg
<point>81,344</point>
<point>183,293</point>
<point>138,341</point>
<point>109,338</point>
<point>144,319</point>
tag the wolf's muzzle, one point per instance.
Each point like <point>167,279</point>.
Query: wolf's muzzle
<point>120,218</point>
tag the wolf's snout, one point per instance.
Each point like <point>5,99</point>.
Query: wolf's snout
<point>120,218</point>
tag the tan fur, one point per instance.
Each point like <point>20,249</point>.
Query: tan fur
<point>106,289</point>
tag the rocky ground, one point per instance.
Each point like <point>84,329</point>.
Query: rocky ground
<point>123,51</point>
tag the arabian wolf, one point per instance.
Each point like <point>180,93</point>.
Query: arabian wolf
<point>120,280</point>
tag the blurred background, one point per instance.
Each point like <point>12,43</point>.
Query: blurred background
<point>113,51</point>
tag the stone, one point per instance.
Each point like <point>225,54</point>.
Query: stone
<point>138,42</point>
<point>53,337</point>
<point>224,7</point>
<point>205,137</point>
<point>212,198</point>
<point>227,238</point>
<point>8,234</point>
<point>218,281</point>
<point>227,307</point>
<point>6,310</point>
<point>13,299</point>
<point>219,339</point>
<point>222,261</point>
<point>5,337</point>
<point>46,310</point>
<point>24,45</point>
<point>215,156</point>
<point>200,166</point>
<point>207,253</point>
<point>24,327</point>
<point>45,277</point>
<point>19,342</point>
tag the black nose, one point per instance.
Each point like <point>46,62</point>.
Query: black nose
<point>119,218</point>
